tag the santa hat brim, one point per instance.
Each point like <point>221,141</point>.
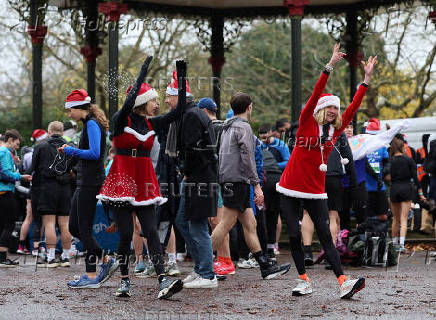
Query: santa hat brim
<point>145,97</point>
<point>372,131</point>
<point>327,101</point>
<point>71,104</point>
<point>175,92</point>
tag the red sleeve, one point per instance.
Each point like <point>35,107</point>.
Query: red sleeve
<point>348,114</point>
<point>307,112</point>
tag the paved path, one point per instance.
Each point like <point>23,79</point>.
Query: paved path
<point>406,292</point>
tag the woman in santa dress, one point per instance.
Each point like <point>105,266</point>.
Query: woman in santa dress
<point>131,184</point>
<point>303,182</point>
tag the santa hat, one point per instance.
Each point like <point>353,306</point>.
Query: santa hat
<point>38,135</point>
<point>145,94</point>
<point>173,87</point>
<point>77,98</point>
<point>327,100</point>
<point>373,126</point>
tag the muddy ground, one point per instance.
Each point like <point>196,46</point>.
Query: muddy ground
<point>404,292</point>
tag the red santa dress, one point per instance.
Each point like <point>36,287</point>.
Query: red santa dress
<point>131,178</point>
<point>302,177</point>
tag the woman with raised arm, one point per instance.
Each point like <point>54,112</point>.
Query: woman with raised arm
<point>132,184</point>
<point>303,181</point>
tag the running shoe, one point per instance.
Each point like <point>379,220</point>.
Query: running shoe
<point>253,261</point>
<point>147,273</point>
<point>124,289</point>
<point>173,269</point>
<point>52,263</point>
<point>22,250</point>
<point>108,269</point>
<point>8,263</point>
<point>140,267</point>
<point>244,264</point>
<point>64,262</point>
<point>202,283</point>
<point>84,282</point>
<point>303,287</point>
<point>308,256</point>
<point>223,268</point>
<point>351,287</point>
<point>191,277</point>
<point>271,271</point>
<point>168,288</point>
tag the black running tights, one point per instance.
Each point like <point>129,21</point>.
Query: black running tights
<point>148,220</point>
<point>81,222</point>
<point>318,212</point>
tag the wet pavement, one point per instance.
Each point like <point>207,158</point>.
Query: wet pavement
<point>406,291</point>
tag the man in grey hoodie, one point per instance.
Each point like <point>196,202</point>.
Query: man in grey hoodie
<point>236,173</point>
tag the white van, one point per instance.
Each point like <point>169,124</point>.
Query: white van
<point>414,133</point>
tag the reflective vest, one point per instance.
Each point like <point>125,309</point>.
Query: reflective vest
<point>408,151</point>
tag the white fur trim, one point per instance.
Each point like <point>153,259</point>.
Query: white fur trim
<point>327,101</point>
<point>157,200</point>
<point>175,92</point>
<point>299,194</point>
<point>372,131</point>
<point>145,97</point>
<point>45,135</point>
<point>140,137</point>
<point>71,104</point>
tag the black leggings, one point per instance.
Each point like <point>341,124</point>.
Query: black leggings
<point>81,222</point>
<point>272,204</point>
<point>9,208</point>
<point>148,220</point>
<point>318,212</point>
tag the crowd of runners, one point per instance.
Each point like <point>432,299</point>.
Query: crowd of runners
<point>219,192</point>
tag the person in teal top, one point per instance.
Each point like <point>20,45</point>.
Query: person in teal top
<point>8,203</point>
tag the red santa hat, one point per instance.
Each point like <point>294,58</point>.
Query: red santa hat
<point>373,126</point>
<point>77,98</point>
<point>38,135</point>
<point>327,100</point>
<point>145,94</point>
<point>173,87</point>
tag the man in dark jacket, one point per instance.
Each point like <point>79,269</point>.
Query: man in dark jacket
<point>52,173</point>
<point>198,189</point>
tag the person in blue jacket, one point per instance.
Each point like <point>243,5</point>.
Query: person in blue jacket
<point>277,147</point>
<point>8,204</point>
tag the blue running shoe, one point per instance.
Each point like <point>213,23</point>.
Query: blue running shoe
<point>84,282</point>
<point>108,269</point>
<point>140,267</point>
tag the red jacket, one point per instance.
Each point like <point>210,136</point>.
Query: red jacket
<point>302,177</point>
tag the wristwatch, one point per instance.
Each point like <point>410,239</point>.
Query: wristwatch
<point>328,68</point>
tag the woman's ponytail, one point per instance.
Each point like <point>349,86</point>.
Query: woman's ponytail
<point>98,114</point>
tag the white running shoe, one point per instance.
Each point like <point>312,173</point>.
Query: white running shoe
<point>244,264</point>
<point>351,286</point>
<point>173,269</point>
<point>201,283</point>
<point>191,277</point>
<point>303,287</point>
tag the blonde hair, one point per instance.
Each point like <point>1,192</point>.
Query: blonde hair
<point>98,114</point>
<point>321,118</point>
<point>56,127</point>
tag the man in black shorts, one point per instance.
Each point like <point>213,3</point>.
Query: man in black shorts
<point>52,170</point>
<point>236,173</point>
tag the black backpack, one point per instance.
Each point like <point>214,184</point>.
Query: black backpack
<point>270,164</point>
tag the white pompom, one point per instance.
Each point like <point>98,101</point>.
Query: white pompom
<point>323,167</point>
<point>345,161</point>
